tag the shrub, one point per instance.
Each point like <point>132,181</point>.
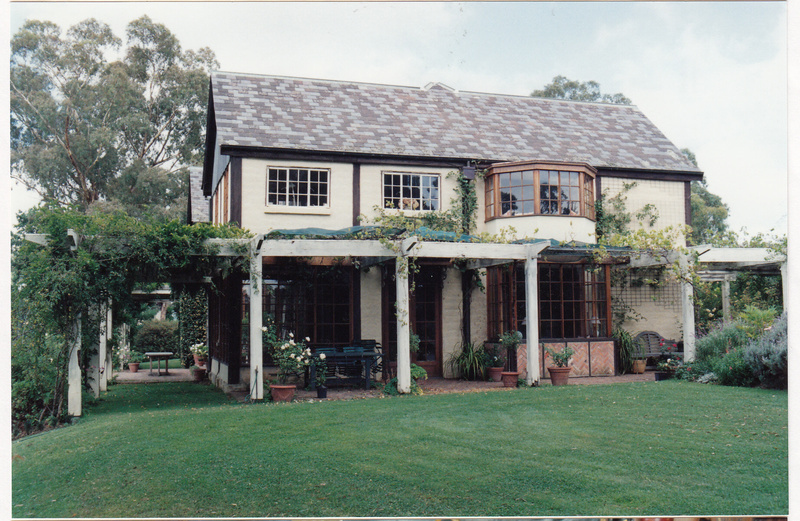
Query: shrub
<point>732,369</point>
<point>469,362</point>
<point>767,356</point>
<point>755,320</point>
<point>719,341</point>
<point>156,335</point>
<point>417,373</point>
<point>193,312</point>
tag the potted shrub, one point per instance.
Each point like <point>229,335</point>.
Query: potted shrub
<point>666,367</point>
<point>510,341</point>
<point>200,353</point>
<point>559,374</point>
<point>136,358</point>
<point>292,358</point>
<point>469,362</point>
<point>631,354</point>
<point>495,362</point>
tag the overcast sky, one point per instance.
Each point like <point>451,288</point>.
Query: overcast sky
<point>712,76</point>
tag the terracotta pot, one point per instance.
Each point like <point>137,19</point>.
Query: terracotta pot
<point>559,375</point>
<point>639,366</point>
<point>510,378</point>
<point>495,374</point>
<point>282,393</point>
<point>133,367</point>
<point>199,374</point>
<point>199,361</point>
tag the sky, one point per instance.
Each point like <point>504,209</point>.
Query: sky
<point>712,75</point>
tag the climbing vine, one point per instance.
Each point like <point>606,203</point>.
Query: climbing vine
<point>53,284</point>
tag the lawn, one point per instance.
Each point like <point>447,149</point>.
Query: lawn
<point>185,450</point>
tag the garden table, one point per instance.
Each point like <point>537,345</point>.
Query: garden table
<point>158,356</point>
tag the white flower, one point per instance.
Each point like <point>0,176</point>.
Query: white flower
<point>308,339</point>
<point>322,356</point>
<point>264,329</point>
<point>307,352</point>
<point>292,342</point>
<point>291,335</point>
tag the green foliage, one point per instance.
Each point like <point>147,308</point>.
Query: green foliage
<point>561,357</point>
<point>108,134</point>
<point>709,214</point>
<point>628,350</point>
<point>52,286</point>
<point>732,369</point>
<point>136,357</point>
<point>766,356</point>
<point>156,335</point>
<point>193,315</point>
<point>564,88</point>
<point>417,373</point>
<point>469,361</point>
<point>719,341</point>
<point>753,320</point>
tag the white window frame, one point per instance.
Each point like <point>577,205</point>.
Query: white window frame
<point>412,203</point>
<point>298,196</point>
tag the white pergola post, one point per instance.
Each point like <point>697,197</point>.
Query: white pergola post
<point>109,372</point>
<point>532,313</point>
<point>403,326</point>
<point>104,353</point>
<point>74,372</point>
<point>726,300</point>
<point>687,306</point>
<point>256,322</point>
<point>785,285</point>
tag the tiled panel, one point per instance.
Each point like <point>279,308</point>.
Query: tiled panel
<point>602,354</point>
<point>580,360</point>
<point>522,360</point>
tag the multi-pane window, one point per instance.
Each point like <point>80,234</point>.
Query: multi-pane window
<point>297,187</point>
<point>408,191</point>
<point>314,302</point>
<point>574,300</point>
<point>531,189</point>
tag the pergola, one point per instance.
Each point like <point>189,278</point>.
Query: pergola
<point>719,264</point>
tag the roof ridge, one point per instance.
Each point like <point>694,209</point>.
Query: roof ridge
<point>429,86</point>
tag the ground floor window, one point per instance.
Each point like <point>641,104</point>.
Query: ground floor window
<point>574,300</point>
<point>310,301</point>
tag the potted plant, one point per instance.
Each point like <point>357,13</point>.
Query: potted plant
<point>666,367</point>
<point>321,367</point>
<point>292,358</point>
<point>631,353</point>
<point>198,373</point>
<point>136,358</point>
<point>200,353</point>
<point>469,361</point>
<point>495,362</point>
<point>559,374</point>
<point>510,341</point>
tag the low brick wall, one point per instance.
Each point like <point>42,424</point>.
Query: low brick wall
<point>591,358</point>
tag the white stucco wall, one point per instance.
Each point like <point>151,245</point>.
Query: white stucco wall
<point>258,216</point>
<point>668,197</point>
<point>451,318</point>
<point>546,227</point>
<point>371,307</point>
<point>372,187</point>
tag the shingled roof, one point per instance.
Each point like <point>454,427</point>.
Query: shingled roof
<point>435,121</point>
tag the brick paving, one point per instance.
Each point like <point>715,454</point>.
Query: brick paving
<point>429,386</point>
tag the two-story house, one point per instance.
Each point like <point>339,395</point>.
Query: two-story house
<point>293,153</point>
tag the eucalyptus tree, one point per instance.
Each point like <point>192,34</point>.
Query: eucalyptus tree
<point>96,123</point>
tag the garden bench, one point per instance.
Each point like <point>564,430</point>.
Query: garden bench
<point>650,344</point>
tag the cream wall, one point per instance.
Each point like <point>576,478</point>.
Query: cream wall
<point>451,318</point>
<point>668,197</point>
<point>372,187</point>
<point>259,217</point>
<point>546,227</point>
<point>371,306</point>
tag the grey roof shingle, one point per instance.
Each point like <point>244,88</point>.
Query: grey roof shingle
<point>435,121</point>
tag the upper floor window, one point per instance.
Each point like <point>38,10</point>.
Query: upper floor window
<point>539,189</point>
<point>408,191</point>
<point>297,186</point>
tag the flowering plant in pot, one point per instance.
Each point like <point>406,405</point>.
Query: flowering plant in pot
<point>292,358</point>
<point>200,353</point>
<point>559,374</point>
<point>510,341</point>
<point>666,367</point>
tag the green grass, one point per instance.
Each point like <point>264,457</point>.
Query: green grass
<point>185,450</point>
